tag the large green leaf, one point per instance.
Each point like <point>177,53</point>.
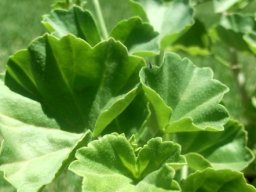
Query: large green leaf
<point>211,180</point>
<point>184,97</point>
<point>32,157</point>
<point>224,150</point>
<point>80,86</point>
<point>23,109</point>
<point>250,39</point>
<point>169,18</point>
<point>134,32</point>
<point>61,22</point>
<point>111,164</point>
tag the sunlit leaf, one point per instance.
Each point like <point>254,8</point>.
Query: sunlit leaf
<point>211,180</point>
<point>31,156</point>
<point>112,159</point>
<point>75,21</point>
<point>169,18</point>
<point>183,96</point>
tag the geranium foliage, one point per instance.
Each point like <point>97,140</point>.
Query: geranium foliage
<point>156,102</point>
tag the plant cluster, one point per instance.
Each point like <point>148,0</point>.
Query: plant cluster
<point>124,107</point>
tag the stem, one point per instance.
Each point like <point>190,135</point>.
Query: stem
<point>102,24</point>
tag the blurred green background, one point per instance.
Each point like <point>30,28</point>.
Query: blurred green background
<point>20,22</point>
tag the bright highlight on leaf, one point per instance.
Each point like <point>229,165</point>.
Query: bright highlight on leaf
<point>113,161</point>
<point>32,157</point>
<point>184,97</point>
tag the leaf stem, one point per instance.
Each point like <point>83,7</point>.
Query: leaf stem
<point>102,24</point>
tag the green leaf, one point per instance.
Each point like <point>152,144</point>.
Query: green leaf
<point>113,161</point>
<point>23,109</point>
<point>238,23</point>
<point>133,32</point>
<point>250,39</point>
<point>211,180</point>
<point>197,162</point>
<point>170,18</point>
<point>75,21</point>
<point>183,96</point>
<point>80,86</point>
<point>224,150</point>
<point>32,157</point>
<point>223,5</point>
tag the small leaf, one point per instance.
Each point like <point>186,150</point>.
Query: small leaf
<point>80,86</point>
<point>32,157</point>
<point>224,150</point>
<point>112,160</point>
<point>197,162</point>
<point>133,32</point>
<point>183,96</point>
<point>170,18</point>
<point>75,21</point>
<point>210,180</point>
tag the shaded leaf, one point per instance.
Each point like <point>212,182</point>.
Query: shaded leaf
<point>224,150</point>
<point>80,86</point>
<point>169,18</point>
<point>113,158</point>
<point>183,96</point>
<point>211,180</point>
<point>75,21</point>
<point>32,157</point>
<point>23,109</point>
<point>133,32</point>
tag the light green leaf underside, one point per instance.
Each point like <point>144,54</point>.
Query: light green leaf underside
<point>32,156</point>
<point>184,97</point>
<point>224,150</point>
<point>80,23</point>
<point>211,180</point>
<point>23,109</point>
<point>169,18</point>
<point>80,86</point>
<point>135,35</point>
<point>112,160</point>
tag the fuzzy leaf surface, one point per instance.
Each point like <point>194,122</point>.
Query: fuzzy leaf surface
<point>210,180</point>
<point>80,23</point>
<point>224,150</point>
<point>80,86</point>
<point>31,156</point>
<point>112,159</point>
<point>184,97</point>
